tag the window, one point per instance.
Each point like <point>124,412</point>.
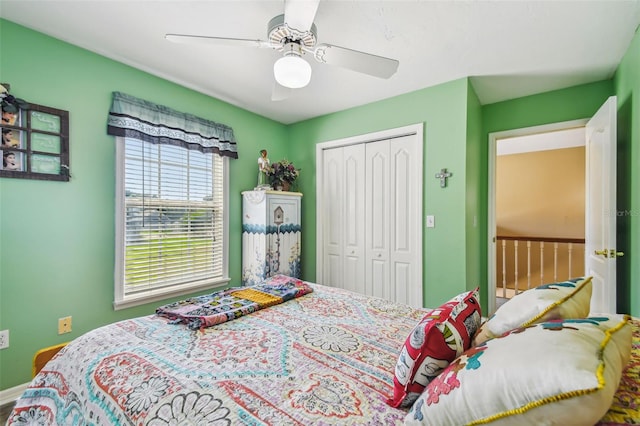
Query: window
<point>171,200</point>
<point>171,221</point>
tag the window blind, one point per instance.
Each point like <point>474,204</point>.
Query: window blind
<point>173,217</point>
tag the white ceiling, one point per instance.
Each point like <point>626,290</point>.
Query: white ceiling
<point>509,48</point>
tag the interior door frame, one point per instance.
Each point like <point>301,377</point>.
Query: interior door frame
<point>491,193</point>
<point>416,130</point>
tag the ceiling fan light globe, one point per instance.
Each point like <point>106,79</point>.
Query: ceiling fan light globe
<point>292,71</point>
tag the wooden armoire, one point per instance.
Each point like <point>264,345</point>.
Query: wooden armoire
<point>271,235</point>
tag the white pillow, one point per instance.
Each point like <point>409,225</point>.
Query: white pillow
<point>562,372</point>
<point>567,299</point>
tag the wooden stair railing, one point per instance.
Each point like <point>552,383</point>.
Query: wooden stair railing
<point>562,247</point>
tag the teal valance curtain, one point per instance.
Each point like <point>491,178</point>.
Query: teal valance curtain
<point>144,120</point>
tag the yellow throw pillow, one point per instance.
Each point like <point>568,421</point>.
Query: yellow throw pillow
<point>568,299</point>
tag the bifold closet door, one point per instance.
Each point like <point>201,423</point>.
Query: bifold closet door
<point>391,236</point>
<point>343,226</point>
<point>371,218</point>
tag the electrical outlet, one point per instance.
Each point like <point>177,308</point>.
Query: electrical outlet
<point>4,339</point>
<point>64,325</point>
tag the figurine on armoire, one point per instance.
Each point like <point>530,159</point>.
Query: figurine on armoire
<point>263,168</point>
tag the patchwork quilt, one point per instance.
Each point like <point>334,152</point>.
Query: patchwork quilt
<point>229,304</point>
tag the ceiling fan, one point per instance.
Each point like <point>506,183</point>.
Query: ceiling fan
<point>294,34</point>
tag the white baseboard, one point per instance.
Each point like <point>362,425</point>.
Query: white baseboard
<point>11,394</point>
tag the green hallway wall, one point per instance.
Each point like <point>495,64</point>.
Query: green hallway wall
<point>57,238</point>
<point>551,107</point>
<point>581,102</point>
<point>627,89</point>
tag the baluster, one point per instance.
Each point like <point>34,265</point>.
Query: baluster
<point>541,262</point>
<point>555,262</point>
<point>515,255</point>
<point>570,248</point>
<point>528,264</point>
<point>504,268</point>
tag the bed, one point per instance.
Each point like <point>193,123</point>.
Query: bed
<point>325,358</point>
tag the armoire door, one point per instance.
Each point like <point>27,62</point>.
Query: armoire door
<point>271,235</point>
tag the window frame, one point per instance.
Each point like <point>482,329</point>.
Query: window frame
<point>122,301</point>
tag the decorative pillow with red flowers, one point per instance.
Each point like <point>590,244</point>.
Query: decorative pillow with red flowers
<point>560,372</point>
<point>439,338</point>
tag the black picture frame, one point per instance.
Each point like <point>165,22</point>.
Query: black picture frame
<point>38,139</point>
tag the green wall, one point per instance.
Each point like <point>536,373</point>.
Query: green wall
<point>573,103</point>
<point>627,89</point>
<point>582,102</point>
<point>57,238</point>
<point>551,107</point>
<point>443,110</point>
<point>476,246</point>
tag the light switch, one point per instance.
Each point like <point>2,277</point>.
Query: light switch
<point>431,221</point>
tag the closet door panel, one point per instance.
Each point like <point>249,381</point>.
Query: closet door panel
<point>378,198</point>
<point>378,204</point>
<point>405,220</point>
<point>333,270</point>
<point>401,205</point>
<point>354,227</point>
<point>378,281</point>
<point>402,281</point>
<point>332,218</point>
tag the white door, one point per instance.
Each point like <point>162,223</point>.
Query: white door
<point>353,212</point>
<point>369,200</point>
<point>343,175</point>
<point>393,220</point>
<point>600,214</point>
<point>377,220</point>
<point>406,221</point>
<point>332,188</point>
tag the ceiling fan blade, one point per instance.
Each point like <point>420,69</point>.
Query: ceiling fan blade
<point>366,63</point>
<point>280,92</point>
<point>299,14</point>
<point>220,41</point>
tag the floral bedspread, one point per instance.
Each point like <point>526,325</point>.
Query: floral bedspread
<point>325,358</point>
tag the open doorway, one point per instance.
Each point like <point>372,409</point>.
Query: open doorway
<point>536,207</point>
